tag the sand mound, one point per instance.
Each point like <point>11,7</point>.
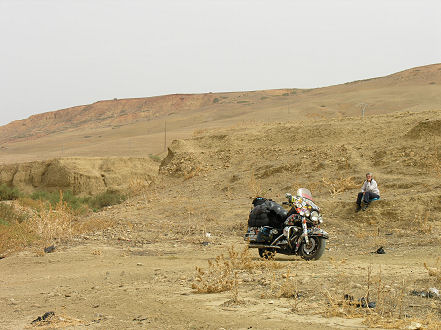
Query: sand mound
<point>425,128</point>
<point>80,175</point>
<point>182,160</point>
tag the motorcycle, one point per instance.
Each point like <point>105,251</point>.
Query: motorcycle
<point>301,234</point>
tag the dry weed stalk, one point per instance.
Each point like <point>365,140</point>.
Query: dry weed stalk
<point>289,287</point>
<point>52,223</point>
<point>421,221</point>
<point>254,187</point>
<point>138,187</point>
<point>435,272</point>
<point>340,185</point>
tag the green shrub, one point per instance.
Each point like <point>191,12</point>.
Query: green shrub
<point>8,193</point>
<point>107,198</point>
<point>74,202</point>
<point>285,94</point>
<point>216,100</point>
<point>156,158</point>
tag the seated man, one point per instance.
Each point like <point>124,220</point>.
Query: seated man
<point>369,191</point>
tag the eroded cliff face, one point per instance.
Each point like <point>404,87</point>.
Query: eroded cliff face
<point>86,176</point>
<point>102,114</point>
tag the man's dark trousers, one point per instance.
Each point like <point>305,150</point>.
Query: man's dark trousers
<point>368,196</point>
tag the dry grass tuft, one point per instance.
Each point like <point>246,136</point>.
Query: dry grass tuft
<point>222,272</point>
<point>218,277</point>
<point>39,223</point>
<point>340,185</point>
<point>138,187</point>
<point>51,223</point>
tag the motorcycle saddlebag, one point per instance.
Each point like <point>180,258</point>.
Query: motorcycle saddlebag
<point>259,234</point>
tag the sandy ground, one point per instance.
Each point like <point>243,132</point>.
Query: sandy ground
<point>123,278</point>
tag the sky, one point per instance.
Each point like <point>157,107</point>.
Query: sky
<point>57,54</point>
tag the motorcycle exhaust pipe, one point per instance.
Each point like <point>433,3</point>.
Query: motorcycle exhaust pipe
<point>262,246</point>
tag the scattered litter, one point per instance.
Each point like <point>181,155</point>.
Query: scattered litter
<point>363,303</point>
<point>205,243</point>
<point>49,249</point>
<point>208,235</point>
<point>139,264</point>
<point>434,292</point>
<point>431,293</point>
<point>348,297</point>
<point>366,304</point>
<point>140,318</point>
<point>44,317</point>
<point>380,250</point>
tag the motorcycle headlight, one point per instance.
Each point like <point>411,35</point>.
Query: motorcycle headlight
<point>307,213</point>
<point>315,216</point>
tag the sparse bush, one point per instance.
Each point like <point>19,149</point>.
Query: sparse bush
<point>8,215</point>
<point>51,223</point>
<point>221,274</point>
<point>218,277</point>
<point>14,233</point>
<point>216,100</point>
<point>74,202</point>
<point>107,198</point>
<point>285,94</point>
<point>8,193</point>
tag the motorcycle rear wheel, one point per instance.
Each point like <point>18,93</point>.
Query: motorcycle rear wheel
<point>314,250</point>
<point>267,253</point>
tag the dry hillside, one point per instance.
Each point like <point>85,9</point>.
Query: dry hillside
<point>135,127</point>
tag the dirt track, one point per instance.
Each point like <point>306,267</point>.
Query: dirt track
<point>111,284</point>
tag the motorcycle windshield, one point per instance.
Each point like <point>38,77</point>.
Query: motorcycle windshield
<point>304,193</point>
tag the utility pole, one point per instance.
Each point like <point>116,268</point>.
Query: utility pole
<point>165,136</point>
<point>363,107</point>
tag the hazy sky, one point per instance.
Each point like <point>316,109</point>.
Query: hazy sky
<point>57,54</point>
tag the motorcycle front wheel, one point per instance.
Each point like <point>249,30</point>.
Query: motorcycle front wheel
<point>314,249</point>
<point>267,253</point>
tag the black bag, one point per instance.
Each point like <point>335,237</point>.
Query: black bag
<point>259,216</point>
